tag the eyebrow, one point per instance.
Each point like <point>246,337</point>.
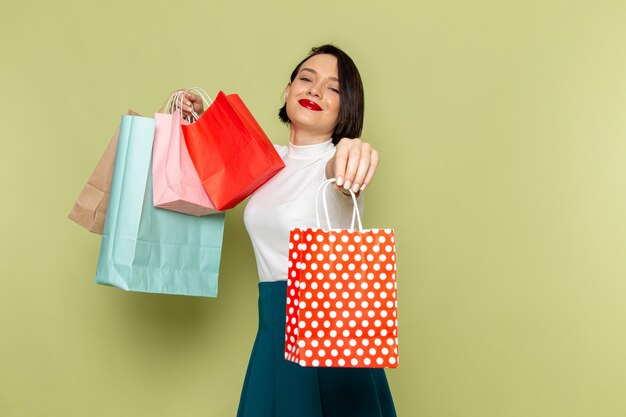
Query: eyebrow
<point>315,72</point>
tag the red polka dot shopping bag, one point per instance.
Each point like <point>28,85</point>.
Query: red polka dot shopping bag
<point>341,295</point>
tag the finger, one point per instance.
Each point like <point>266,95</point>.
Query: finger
<point>341,159</point>
<point>194,100</point>
<point>354,156</point>
<point>374,161</point>
<point>363,167</point>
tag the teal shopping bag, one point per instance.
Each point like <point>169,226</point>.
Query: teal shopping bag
<point>148,249</point>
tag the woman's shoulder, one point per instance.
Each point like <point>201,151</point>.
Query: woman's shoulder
<point>282,150</point>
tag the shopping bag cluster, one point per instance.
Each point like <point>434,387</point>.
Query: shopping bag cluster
<point>159,193</point>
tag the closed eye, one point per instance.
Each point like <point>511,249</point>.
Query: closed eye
<point>306,79</point>
<point>334,89</point>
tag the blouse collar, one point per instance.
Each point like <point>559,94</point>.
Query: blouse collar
<point>310,151</point>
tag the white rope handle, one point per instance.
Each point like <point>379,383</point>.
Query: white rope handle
<point>355,212</point>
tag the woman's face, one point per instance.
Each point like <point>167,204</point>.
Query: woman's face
<point>312,98</point>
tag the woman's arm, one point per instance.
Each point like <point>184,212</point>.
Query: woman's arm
<point>353,165</point>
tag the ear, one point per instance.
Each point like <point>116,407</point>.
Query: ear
<point>286,92</point>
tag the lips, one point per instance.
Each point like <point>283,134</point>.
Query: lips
<point>308,104</point>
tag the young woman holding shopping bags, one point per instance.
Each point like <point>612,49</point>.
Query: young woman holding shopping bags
<point>324,108</point>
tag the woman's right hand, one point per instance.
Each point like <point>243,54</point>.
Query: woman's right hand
<point>191,103</point>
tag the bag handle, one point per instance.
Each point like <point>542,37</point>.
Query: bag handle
<point>355,212</point>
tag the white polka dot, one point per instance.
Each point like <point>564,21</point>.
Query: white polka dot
<point>364,285</point>
<point>296,236</point>
<point>351,267</point>
<point>357,238</point>
<point>290,245</point>
<point>369,239</point>
<point>354,361</point>
<point>315,362</point>
<point>339,324</point>
<point>370,257</point>
<point>333,333</point>
<point>392,360</point>
<point>326,247</point>
<point>314,324</point>
<point>313,285</point>
<point>379,361</point>
<point>339,285</point>
<point>327,323</point>
<point>309,237</point>
<point>385,351</point>
<point>302,362</point>
<point>388,248</point>
<point>319,257</point>
<point>313,247</point>
<point>364,304</point>
<point>326,304</point>
<point>320,314</point>
<point>321,353</point>
<point>383,332</point>
<point>358,314</point>
<point>378,323</point>
<point>326,285</point>
<point>372,351</point>
<point>327,343</point>
<point>338,266</point>
<point>341,362</point>
<point>377,342</point>
<point>357,257</point>
<point>308,314</point>
<point>365,323</point>
<point>371,332</point>
<point>320,238</point>
<point>332,314</point>
<point>308,295</point>
<point>382,258</point>
<point>293,255</point>
<point>332,238</point>
<point>345,314</point>
<point>367,361</point>
<point>308,334</point>
<point>301,343</point>
<point>329,362</point>
<point>364,267</point>
<point>345,295</point>
<point>371,295</point>
<point>377,304</point>
<point>332,276</point>
<point>365,342</point>
<point>376,248</point>
<point>383,295</point>
<point>352,323</point>
<point>308,353</point>
<point>370,275</point>
<point>344,238</point>
<point>346,333</point>
<point>358,295</point>
<point>347,352</point>
<point>332,257</point>
<point>338,248</point>
<point>351,248</point>
<point>332,295</point>
<point>339,304</point>
<point>314,305</point>
<point>313,266</point>
<point>371,314</point>
<point>359,333</point>
<point>314,343</point>
<point>390,323</point>
<point>352,304</point>
<point>334,352</point>
<point>376,267</point>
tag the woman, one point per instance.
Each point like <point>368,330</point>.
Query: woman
<point>324,110</point>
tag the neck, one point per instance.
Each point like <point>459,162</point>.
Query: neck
<point>301,137</point>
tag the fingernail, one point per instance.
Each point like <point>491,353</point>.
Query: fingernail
<point>346,185</point>
<point>339,181</point>
<point>355,187</point>
<point>363,187</point>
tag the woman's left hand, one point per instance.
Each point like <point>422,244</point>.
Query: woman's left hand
<point>353,165</point>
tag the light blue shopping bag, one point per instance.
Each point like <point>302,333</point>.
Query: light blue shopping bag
<point>148,249</point>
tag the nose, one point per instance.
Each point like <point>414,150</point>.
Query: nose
<point>314,90</point>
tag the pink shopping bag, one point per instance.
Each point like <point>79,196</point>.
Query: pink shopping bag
<point>176,185</point>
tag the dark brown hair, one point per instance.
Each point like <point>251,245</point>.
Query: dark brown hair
<point>352,100</point>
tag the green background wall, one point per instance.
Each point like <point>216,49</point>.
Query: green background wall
<point>502,131</point>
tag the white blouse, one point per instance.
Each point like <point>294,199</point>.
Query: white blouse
<point>287,200</point>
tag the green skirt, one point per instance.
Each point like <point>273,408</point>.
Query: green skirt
<point>275,387</point>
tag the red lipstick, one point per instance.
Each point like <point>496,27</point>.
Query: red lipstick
<point>308,104</point>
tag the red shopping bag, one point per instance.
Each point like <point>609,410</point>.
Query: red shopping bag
<point>341,297</point>
<point>230,151</point>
